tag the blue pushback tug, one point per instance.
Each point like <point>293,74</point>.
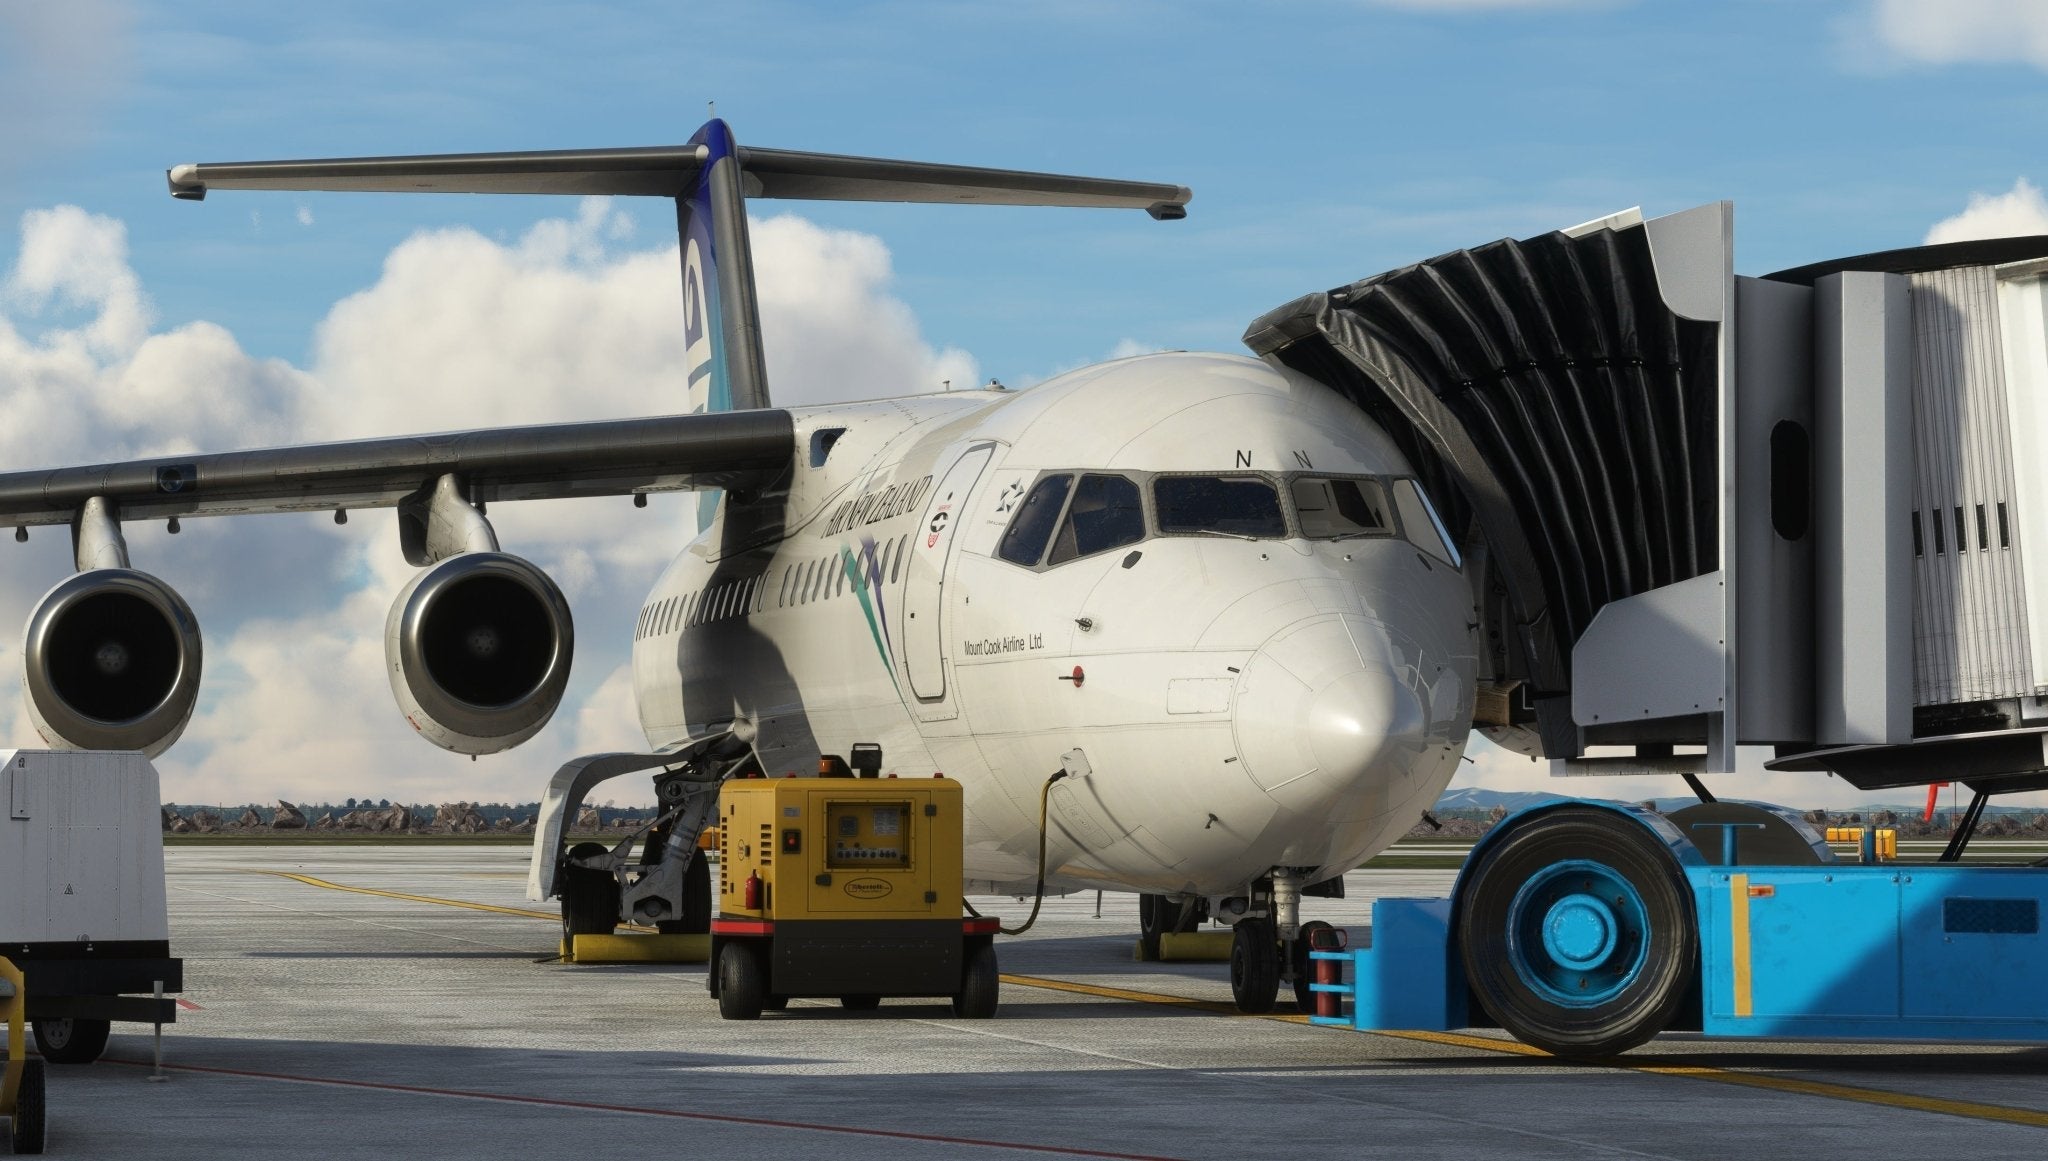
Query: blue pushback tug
<point>1586,928</point>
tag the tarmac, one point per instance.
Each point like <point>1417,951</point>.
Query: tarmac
<point>404,1000</point>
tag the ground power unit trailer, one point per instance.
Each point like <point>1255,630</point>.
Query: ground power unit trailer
<point>1806,513</point>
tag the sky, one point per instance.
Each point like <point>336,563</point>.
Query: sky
<point>1325,140</point>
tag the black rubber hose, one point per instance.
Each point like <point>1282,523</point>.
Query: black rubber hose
<point>1044,794</point>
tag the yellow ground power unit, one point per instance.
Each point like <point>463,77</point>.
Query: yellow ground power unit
<point>846,887</point>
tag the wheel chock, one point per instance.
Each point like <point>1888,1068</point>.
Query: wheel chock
<point>1195,946</point>
<point>639,949</point>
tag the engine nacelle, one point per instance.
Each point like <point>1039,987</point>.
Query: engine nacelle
<point>478,649</point>
<point>110,661</point>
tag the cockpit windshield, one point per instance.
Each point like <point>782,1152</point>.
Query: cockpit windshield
<point>1340,509</point>
<point>1246,506</point>
<point>1069,515</point>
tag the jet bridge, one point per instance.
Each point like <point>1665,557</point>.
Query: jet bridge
<point>1704,510</point>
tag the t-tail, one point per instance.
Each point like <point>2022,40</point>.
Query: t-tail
<point>710,179</point>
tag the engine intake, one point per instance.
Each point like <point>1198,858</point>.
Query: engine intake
<point>111,661</point>
<point>478,650</point>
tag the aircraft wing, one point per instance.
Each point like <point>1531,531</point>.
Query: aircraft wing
<point>604,458</point>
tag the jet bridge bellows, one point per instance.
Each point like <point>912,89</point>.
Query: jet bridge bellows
<point>1706,510</point>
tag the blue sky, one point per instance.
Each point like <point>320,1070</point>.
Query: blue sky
<point>1325,140</point>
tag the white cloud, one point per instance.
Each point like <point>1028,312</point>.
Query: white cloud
<point>305,215</point>
<point>1946,32</point>
<point>566,322</point>
<point>2018,212</point>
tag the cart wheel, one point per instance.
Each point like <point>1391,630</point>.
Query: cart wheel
<point>1304,967</point>
<point>590,899</point>
<point>742,985</point>
<point>1577,933</point>
<point>71,1041</point>
<point>1254,965</point>
<point>980,983</point>
<point>26,1132</point>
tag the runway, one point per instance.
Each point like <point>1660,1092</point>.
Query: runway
<point>346,1023</point>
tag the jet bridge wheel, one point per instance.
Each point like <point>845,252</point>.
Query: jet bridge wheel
<point>590,898</point>
<point>69,1041</point>
<point>1577,933</point>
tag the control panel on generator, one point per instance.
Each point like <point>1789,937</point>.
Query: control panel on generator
<point>845,887</point>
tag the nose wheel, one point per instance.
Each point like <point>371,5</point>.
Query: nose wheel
<point>1254,965</point>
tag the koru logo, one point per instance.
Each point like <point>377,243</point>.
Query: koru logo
<point>1010,496</point>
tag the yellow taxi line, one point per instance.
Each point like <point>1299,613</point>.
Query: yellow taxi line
<point>1973,1109</point>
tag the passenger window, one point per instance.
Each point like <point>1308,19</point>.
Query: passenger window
<point>1229,505</point>
<point>1420,525</point>
<point>1106,513</point>
<point>1341,509</point>
<point>1032,526</point>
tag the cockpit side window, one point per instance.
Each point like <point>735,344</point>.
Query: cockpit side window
<point>1032,526</point>
<point>1335,509</point>
<point>1107,513</point>
<point>1420,524</point>
<point>1231,505</point>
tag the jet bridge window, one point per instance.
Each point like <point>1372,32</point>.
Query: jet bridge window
<point>1338,509</point>
<point>1036,517</point>
<point>1107,512</point>
<point>1227,505</point>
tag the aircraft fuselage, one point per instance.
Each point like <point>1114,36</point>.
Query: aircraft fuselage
<point>1211,577</point>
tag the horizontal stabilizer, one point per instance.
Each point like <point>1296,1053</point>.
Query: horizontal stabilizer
<point>669,171</point>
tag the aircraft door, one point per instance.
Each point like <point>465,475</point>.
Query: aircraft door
<point>924,589</point>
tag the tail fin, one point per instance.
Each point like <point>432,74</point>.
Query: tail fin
<point>721,323</point>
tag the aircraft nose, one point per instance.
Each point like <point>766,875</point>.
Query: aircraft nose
<point>1329,708</point>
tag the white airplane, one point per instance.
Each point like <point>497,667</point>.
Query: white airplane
<point>1184,624</point>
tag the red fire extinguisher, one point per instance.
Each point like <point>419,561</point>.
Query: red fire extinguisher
<point>750,893</point>
<point>1322,937</point>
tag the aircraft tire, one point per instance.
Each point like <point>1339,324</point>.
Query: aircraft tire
<point>980,983</point>
<point>742,985</point>
<point>27,1130</point>
<point>590,899</point>
<point>1254,965</point>
<point>1577,933</point>
<point>1158,915</point>
<point>696,916</point>
<point>70,1041</point>
<point>1304,967</point>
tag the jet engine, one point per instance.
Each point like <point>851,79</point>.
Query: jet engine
<point>111,662</point>
<point>478,649</point>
